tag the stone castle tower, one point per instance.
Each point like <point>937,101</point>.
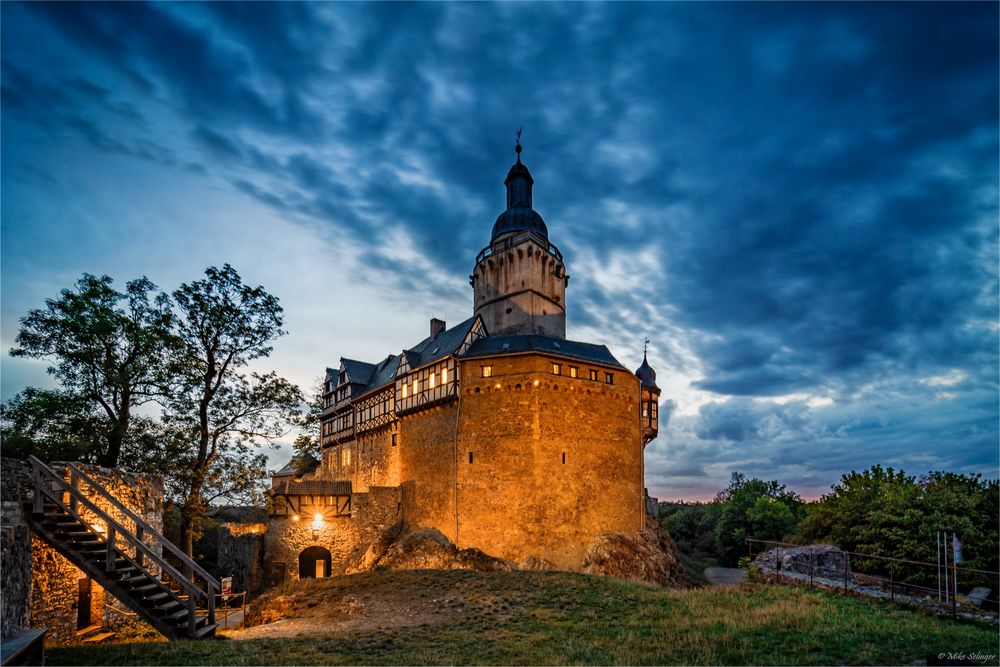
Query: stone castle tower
<point>519,283</point>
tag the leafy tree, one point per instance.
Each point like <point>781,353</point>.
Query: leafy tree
<point>217,411</point>
<point>52,425</point>
<point>307,443</point>
<point>692,525</point>
<point>755,509</point>
<point>109,351</point>
<point>884,512</point>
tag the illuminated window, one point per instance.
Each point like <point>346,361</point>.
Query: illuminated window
<point>487,371</point>
<point>556,369</point>
<point>444,374</point>
<point>609,378</point>
<point>416,383</point>
<point>346,457</point>
<point>645,410</point>
<point>404,390</point>
<point>573,370</point>
<point>433,380</point>
<point>593,375</point>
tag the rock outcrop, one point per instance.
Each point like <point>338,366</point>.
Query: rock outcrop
<point>649,556</point>
<point>823,560</point>
<point>423,549</point>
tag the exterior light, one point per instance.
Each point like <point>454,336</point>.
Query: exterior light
<point>317,520</point>
<point>98,528</point>
<point>497,386</point>
<point>295,517</point>
<point>535,383</point>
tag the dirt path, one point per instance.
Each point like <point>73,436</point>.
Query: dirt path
<point>724,576</point>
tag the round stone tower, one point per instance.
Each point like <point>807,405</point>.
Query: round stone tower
<point>519,283</point>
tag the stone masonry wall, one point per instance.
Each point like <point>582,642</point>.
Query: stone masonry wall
<point>554,464</point>
<point>427,459</point>
<point>15,547</point>
<point>241,555</point>
<point>372,513</point>
<point>54,581</point>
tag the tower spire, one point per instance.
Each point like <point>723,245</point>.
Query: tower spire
<point>517,145</point>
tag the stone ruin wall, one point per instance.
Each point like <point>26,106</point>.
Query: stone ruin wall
<point>54,581</point>
<point>15,547</point>
<point>241,555</point>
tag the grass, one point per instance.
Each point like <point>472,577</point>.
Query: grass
<point>562,618</point>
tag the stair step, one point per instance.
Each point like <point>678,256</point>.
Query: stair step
<point>176,615</point>
<point>156,597</point>
<point>136,579</point>
<point>90,629</point>
<point>169,606</point>
<point>142,589</point>
<point>94,639</point>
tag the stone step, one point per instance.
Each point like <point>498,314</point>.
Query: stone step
<point>95,639</point>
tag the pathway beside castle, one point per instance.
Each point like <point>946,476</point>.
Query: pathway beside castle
<point>725,576</point>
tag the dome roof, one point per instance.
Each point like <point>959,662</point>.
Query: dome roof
<point>646,375</point>
<point>519,219</point>
<point>519,216</point>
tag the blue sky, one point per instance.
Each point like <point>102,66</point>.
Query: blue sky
<point>796,203</point>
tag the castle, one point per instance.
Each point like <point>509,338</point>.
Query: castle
<point>498,432</point>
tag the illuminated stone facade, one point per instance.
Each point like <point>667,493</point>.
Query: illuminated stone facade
<point>499,432</point>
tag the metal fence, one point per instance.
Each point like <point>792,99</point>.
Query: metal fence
<point>930,585</point>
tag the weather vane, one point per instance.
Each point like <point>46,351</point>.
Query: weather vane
<point>645,347</point>
<point>517,144</point>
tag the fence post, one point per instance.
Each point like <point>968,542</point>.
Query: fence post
<point>845,571</point>
<point>810,567</point>
<point>777,549</point>
<point>892,588</point>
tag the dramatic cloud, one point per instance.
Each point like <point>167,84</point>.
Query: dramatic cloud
<point>796,203</point>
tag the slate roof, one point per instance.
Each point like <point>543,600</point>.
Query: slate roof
<point>332,375</point>
<point>313,488</point>
<point>359,372</point>
<point>493,346</point>
<point>385,374</point>
<point>445,343</point>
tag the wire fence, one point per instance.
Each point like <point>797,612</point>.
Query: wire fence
<point>943,587</point>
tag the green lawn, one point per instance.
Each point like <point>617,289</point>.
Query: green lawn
<point>561,618</point>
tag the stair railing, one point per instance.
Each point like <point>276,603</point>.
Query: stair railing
<point>42,473</point>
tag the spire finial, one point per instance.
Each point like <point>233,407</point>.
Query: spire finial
<point>645,347</point>
<point>517,145</point>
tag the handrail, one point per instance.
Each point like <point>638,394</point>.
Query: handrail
<point>112,524</point>
<point>184,558</point>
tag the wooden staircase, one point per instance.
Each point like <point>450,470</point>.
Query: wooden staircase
<point>126,560</point>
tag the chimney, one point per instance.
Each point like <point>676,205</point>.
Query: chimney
<point>437,326</point>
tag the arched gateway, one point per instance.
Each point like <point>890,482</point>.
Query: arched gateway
<point>314,563</point>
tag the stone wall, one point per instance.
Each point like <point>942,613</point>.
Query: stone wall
<point>374,460</point>
<point>15,547</point>
<point>241,555</point>
<point>372,514</point>
<point>554,464</point>
<point>55,583</point>
<point>427,459</point>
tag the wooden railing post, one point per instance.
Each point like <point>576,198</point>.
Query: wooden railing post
<point>139,556</point>
<point>810,567</point>
<point>36,475</point>
<point>111,549</point>
<point>74,483</point>
<point>211,602</point>
<point>192,618</point>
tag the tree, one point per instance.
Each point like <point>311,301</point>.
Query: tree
<point>218,411</point>
<point>307,443</point>
<point>755,509</point>
<point>109,349</point>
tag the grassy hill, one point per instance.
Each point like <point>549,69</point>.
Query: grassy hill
<point>462,617</point>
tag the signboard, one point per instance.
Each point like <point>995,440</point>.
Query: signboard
<point>227,585</point>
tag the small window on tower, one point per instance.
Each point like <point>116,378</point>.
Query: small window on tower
<point>556,369</point>
<point>573,371</point>
<point>609,378</point>
<point>433,380</point>
<point>593,375</point>
<point>487,371</point>
<point>404,390</point>
<point>394,435</point>
<point>470,457</point>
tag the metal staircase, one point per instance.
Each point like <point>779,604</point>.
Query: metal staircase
<point>126,560</point>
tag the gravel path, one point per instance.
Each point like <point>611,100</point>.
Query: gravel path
<point>725,576</point>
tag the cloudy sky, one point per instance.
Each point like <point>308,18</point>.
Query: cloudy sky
<point>796,203</point>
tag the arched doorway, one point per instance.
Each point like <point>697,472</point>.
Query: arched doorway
<point>314,562</point>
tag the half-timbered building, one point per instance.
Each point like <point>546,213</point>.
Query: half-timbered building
<point>498,432</point>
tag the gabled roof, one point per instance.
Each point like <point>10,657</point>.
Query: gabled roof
<point>493,346</point>
<point>332,375</point>
<point>358,372</point>
<point>384,375</point>
<point>312,488</point>
<point>445,343</point>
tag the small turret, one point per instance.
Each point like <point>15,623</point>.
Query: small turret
<point>649,400</point>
